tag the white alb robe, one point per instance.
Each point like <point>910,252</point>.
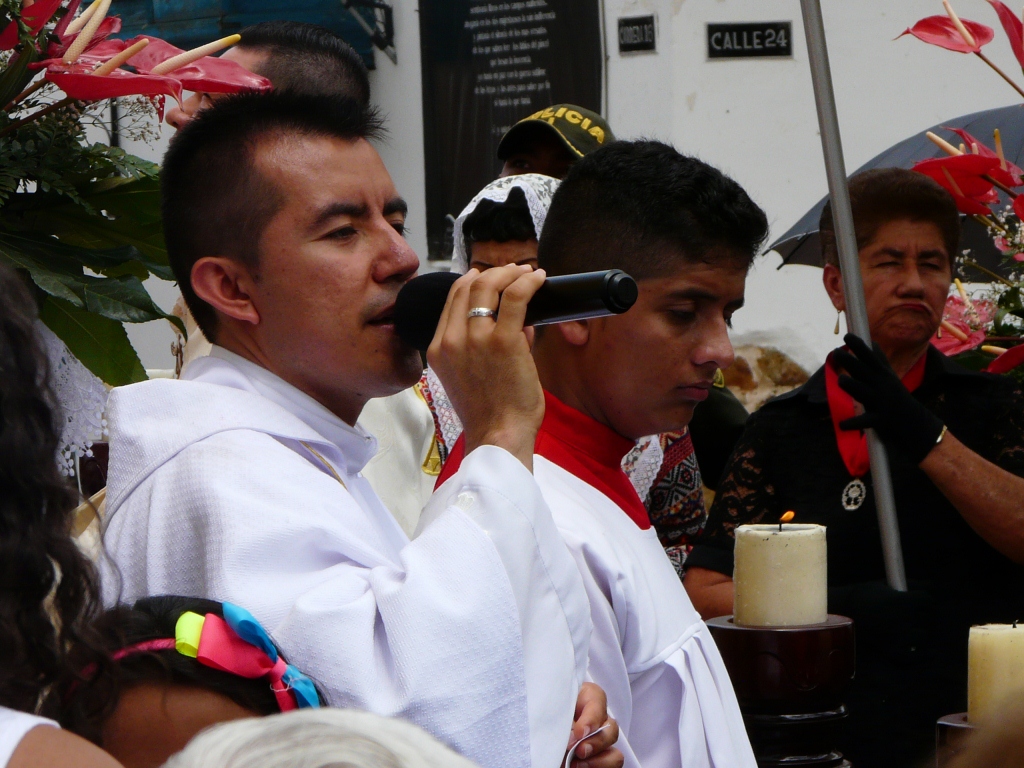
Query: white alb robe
<point>650,651</point>
<point>477,630</point>
<point>655,658</point>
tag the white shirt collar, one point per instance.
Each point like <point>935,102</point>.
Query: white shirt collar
<point>225,368</point>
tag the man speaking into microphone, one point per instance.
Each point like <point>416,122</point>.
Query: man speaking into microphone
<point>242,482</point>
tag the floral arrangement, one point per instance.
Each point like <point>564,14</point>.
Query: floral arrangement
<point>81,221</point>
<point>983,332</point>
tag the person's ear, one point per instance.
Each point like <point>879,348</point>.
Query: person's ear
<point>832,278</point>
<point>576,332</point>
<point>225,284</point>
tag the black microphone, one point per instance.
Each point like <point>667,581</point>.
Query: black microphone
<point>421,301</point>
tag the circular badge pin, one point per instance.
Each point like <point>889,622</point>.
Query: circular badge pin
<point>854,494</point>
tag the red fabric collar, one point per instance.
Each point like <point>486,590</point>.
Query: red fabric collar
<point>584,448</point>
<point>853,444</point>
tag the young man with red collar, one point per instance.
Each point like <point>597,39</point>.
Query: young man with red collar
<point>688,235</point>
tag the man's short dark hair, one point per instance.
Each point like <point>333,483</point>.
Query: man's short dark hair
<point>641,206</point>
<point>214,200</point>
<point>306,58</point>
<point>882,195</point>
<point>499,222</point>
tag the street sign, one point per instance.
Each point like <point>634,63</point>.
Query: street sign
<point>636,34</point>
<point>742,41</point>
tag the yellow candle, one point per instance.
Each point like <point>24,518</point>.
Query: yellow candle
<point>780,576</point>
<point>995,668</point>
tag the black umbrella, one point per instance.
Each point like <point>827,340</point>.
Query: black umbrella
<point>800,244</point>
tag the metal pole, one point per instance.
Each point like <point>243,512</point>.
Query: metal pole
<point>856,310</point>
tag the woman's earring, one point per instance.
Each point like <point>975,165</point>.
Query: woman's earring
<point>839,313</point>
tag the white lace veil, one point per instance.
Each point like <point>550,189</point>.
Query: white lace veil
<point>538,190</point>
<point>82,398</point>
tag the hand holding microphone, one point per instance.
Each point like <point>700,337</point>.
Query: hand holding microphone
<point>562,298</point>
<point>485,362</point>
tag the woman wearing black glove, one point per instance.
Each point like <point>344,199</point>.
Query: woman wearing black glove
<point>955,440</point>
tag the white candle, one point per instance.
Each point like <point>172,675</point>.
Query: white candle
<point>780,576</point>
<point>995,668</point>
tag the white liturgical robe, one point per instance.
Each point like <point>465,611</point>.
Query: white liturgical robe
<point>233,485</point>
<point>655,658</point>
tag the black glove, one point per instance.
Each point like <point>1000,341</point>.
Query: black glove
<point>889,408</point>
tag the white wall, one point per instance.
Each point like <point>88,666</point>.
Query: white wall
<point>398,92</point>
<point>755,118</point>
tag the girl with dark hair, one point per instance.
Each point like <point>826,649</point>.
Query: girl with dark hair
<point>180,665</point>
<point>48,591</point>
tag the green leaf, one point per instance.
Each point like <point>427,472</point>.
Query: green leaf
<point>14,79</point>
<point>57,270</point>
<point>99,343</point>
<point>120,298</point>
<point>131,216</point>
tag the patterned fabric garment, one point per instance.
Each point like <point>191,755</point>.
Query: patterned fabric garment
<point>676,499</point>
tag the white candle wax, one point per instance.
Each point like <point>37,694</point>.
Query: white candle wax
<point>995,668</point>
<point>780,576</point>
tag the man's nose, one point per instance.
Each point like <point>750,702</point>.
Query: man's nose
<point>399,261</point>
<point>179,117</point>
<point>716,347</point>
<point>910,283</point>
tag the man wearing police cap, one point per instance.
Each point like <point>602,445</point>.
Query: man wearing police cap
<point>551,140</point>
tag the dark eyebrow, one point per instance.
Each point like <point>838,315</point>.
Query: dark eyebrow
<point>332,210</point>
<point>693,294</point>
<point>397,205</point>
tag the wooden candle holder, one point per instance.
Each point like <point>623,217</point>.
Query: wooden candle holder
<point>790,683</point>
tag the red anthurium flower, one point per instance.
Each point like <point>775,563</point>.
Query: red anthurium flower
<point>35,16</point>
<point>1015,176</point>
<point>111,25</point>
<point>961,177</point>
<point>950,345</point>
<point>976,316</point>
<point>1007,361</point>
<point>1013,27</point>
<point>208,74</point>
<point>1018,208</point>
<point>78,81</point>
<point>940,31</point>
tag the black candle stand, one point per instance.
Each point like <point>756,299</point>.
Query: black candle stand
<point>951,734</point>
<point>790,683</point>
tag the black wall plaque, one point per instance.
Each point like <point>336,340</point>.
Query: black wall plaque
<point>486,65</point>
<point>740,41</point>
<point>636,34</point>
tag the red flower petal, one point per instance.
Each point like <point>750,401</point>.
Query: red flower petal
<point>1013,28</point>
<point>1007,361</point>
<point>36,16</point>
<point>1016,174</point>
<point>69,16</point>
<point>1018,207</point>
<point>78,82</point>
<point>966,171</point>
<point>111,25</point>
<point>950,345</point>
<point>939,30</point>
<point>208,74</point>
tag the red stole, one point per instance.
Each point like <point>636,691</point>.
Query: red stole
<point>852,443</point>
<point>581,446</point>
